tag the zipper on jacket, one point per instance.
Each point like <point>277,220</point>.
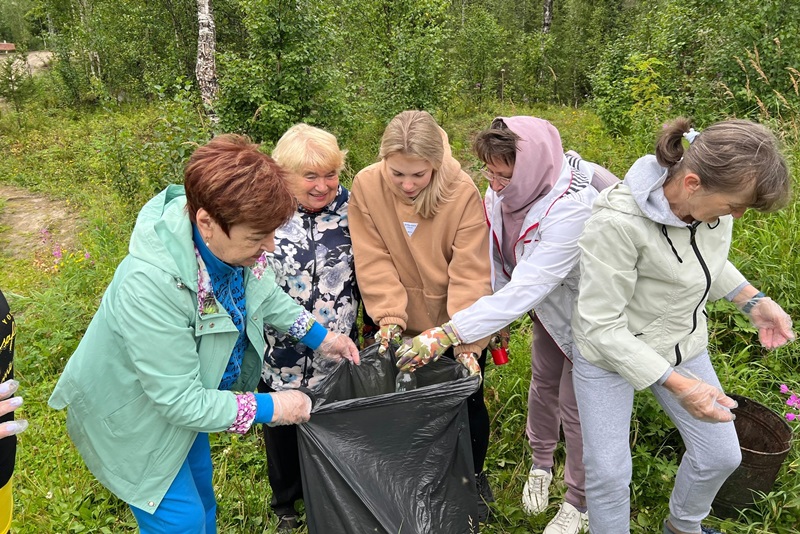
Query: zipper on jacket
<point>706,273</point>
<point>499,251</point>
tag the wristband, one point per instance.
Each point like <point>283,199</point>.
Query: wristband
<point>748,306</point>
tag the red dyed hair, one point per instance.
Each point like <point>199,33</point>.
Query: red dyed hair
<point>236,183</point>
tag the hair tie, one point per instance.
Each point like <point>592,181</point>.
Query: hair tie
<point>691,135</point>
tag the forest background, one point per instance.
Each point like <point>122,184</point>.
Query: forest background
<point>119,111</point>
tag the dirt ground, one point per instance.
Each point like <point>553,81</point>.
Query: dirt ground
<point>39,61</point>
<point>24,218</point>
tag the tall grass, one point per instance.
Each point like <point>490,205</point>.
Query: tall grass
<point>106,163</point>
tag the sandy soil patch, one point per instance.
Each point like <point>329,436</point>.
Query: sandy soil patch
<point>30,222</point>
<point>39,61</point>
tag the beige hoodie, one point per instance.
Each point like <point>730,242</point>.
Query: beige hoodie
<point>417,272</point>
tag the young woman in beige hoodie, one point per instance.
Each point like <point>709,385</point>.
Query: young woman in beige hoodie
<point>421,249</point>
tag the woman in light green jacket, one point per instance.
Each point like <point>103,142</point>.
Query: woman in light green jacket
<point>654,251</point>
<point>179,331</point>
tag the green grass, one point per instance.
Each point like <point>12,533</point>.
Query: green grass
<point>106,163</point>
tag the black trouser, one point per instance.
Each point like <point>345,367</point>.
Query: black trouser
<point>283,464</point>
<point>478,417</point>
<point>479,421</point>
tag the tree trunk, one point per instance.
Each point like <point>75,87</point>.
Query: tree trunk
<point>206,70</point>
<point>548,16</point>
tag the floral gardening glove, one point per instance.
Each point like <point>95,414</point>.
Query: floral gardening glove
<point>426,347</point>
<point>388,333</point>
<point>505,337</point>
<point>470,361</point>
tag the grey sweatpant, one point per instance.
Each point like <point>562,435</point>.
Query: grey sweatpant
<point>605,403</point>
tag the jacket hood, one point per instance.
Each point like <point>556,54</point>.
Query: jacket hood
<point>645,180</point>
<point>162,235</point>
<point>539,159</point>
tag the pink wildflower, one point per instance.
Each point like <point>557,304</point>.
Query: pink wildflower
<point>57,252</point>
<point>784,388</point>
<point>791,416</point>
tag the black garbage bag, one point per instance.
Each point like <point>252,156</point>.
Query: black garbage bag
<point>376,461</point>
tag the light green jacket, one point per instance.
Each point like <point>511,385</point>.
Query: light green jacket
<point>143,381</point>
<point>642,295</point>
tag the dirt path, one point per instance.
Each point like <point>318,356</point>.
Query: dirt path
<point>28,218</point>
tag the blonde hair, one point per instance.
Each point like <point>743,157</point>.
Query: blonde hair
<point>305,147</point>
<point>727,156</point>
<point>415,133</point>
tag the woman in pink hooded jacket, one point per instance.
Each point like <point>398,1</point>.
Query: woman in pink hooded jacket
<point>536,206</point>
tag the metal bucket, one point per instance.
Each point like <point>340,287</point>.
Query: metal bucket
<point>765,440</point>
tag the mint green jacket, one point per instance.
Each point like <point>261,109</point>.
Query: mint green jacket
<point>143,381</point>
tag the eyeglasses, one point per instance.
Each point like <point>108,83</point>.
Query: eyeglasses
<point>492,177</point>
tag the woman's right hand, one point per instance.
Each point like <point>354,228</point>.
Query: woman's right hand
<point>387,334</point>
<point>290,407</point>
<point>702,400</point>
<point>8,405</point>
<point>339,346</point>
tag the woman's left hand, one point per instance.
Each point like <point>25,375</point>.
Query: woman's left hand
<point>774,325</point>
<point>290,407</point>
<point>339,346</point>
<point>426,347</point>
<point>470,361</point>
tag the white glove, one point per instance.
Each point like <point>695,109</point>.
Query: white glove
<point>337,347</point>
<point>704,401</point>
<point>774,325</point>
<point>290,407</point>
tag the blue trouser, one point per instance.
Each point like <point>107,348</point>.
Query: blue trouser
<point>189,506</point>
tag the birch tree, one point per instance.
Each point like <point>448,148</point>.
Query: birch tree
<point>206,70</point>
<point>548,16</point>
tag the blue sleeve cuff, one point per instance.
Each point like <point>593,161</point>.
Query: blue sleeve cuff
<point>314,336</point>
<point>265,408</point>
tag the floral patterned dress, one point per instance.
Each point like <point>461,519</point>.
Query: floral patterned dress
<point>313,263</point>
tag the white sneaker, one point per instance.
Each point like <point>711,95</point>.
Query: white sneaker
<point>568,520</point>
<point>536,493</point>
